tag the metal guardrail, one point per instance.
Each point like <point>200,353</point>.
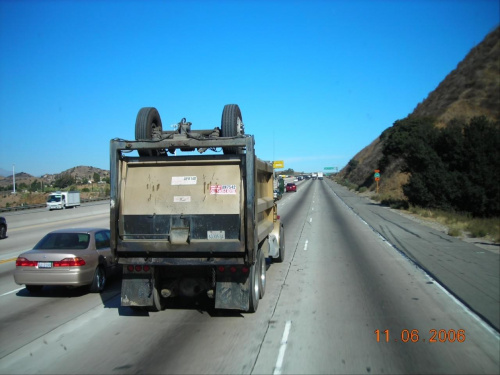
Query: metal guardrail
<point>32,206</point>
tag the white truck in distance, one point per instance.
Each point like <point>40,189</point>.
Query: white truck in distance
<point>61,200</point>
<point>320,175</point>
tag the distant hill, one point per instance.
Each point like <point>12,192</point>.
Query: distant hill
<point>4,172</point>
<point>82,174</point>
<point>472,89</point>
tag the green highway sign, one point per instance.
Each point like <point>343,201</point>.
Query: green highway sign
<point>329,168</point>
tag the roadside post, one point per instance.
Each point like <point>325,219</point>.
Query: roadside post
<point>377,177</point>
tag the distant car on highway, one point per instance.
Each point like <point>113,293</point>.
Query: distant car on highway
<point>291,187</point>
<point>67,257</point>
<point>3,228</point>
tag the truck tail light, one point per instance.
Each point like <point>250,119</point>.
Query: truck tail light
<point>69,262</point>
<point>138,268</point>
<point>233,269</point>
<point>23,262</point>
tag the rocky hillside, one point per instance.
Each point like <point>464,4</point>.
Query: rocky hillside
<point>472,89</point>
<point>82,175</point>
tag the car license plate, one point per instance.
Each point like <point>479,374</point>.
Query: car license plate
<point>44,264</point>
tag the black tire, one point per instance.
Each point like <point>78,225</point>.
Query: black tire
<point>232,126</point>
<point>147,120</point>
<point>262,276</point>
<point>3,232</point>
<point>281,254</point>
<point>254,286</point>
<point>99,281</point>
<point>34,289</point>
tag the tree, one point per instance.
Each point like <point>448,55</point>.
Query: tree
<point>64,181</point>
<point>481,167</point>
<point>97,178</point>
<point>453,168</point>
<point>351,166</point>
<point>35,185</point>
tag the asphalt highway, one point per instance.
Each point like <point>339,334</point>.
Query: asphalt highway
<point>346,300</point>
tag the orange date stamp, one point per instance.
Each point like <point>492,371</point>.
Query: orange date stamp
<point>435,335</point>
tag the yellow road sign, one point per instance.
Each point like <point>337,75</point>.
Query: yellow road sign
<point>278,164</point>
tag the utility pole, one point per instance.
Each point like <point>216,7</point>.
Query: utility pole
<point>14,178</point>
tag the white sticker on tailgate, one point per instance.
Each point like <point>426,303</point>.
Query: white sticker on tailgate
<point>184,180</point>
<point>216,234</point>
<point>181,199</point>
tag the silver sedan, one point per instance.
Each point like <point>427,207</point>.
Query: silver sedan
<point>69,257</point>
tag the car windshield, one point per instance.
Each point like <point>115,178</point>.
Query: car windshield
<point>70,241</point>
<point>54,198</point>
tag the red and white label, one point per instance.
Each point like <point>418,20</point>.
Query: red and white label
<point>223,189</point>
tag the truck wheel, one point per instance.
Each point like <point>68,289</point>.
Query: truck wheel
<point>148,119</point>
<point>262,278</point>
<point>99,281</point>
<point>281,253</point>
<point>254,294</point>
<point>3,232</point>
<point>232,126</point>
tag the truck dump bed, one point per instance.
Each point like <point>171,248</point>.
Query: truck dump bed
<point>190,206</point>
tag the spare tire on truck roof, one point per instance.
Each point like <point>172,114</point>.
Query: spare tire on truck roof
<point>148,119</point>
<point>232,126</point>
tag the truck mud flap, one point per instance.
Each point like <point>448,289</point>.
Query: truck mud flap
<point>137,291</point>
<point>232,295</point>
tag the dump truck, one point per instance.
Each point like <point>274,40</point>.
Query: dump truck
<point>192,212</point>
<point>60,200</point>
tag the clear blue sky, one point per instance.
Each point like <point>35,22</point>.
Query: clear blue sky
<point>316,81</point>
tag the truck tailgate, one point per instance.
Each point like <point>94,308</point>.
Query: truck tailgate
<point>179,206</point>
